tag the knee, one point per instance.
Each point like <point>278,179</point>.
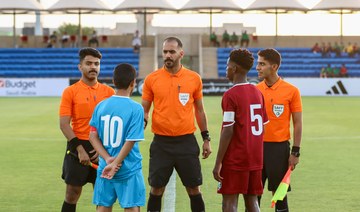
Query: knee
<point>226,206</point>
<point>72,194</point>
<point>157,191</point>
<point>193,190</point>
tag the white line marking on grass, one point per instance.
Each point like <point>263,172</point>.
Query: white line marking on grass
<point>170,194</point>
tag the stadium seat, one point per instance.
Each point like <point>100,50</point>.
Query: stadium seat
<point>58,62</point>
<point>296,62</point>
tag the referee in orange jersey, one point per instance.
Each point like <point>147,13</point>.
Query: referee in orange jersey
<point>283,103</point>
<point>176,93</point>
<point>77,104</point>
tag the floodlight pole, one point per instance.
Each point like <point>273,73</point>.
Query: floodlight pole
<point>145,27</point>
<point>14,28</point>
<point>210,21</point>
<point>80,31</point>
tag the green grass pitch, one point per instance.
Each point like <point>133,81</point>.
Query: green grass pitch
<point>327,178</point>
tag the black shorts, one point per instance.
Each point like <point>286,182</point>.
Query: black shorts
<point>276,163</point>
<point>76,174</point>
<point>179,152</point>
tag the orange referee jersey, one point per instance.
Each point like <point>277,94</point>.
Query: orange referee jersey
<point>173,97</point>
<point>79,101</point>
<point>281,100</point>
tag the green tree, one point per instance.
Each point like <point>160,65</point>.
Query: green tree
<point>72,29</point>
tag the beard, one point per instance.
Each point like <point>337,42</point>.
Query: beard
<point>169,63</point>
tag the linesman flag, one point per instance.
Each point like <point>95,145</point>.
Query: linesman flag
<point>282,189</point>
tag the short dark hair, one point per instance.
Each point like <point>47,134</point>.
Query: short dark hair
<point>271,55</point>
<point>89,51</point>
<point>242,57</point>
<point>124,74</point>
<point>172,38</point>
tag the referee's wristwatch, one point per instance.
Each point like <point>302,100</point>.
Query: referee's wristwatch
<point>296,154</point>
<point>205,135</point>
<point>295,151</point>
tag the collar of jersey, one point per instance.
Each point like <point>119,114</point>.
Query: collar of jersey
<point>85,85</point>
<point>243,83</point>
<point>178,74</point>
<point>274,86</point>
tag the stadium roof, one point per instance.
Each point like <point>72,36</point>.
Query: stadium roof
<point>84,5</point>
<point>276,4</point>
<point>20,5</point>
<point>144,5</point>
<point>337,4</point>
<point>210,4</point>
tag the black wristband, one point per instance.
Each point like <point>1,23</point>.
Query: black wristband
<point>295,149</point>
<point>205,135</point>
<point>73,143</point>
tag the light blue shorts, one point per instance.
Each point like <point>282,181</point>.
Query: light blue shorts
<point>130,192</point>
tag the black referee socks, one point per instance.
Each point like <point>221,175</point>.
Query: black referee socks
<point>67,207</point>
<point>154,203</point>
<point>197,203</point>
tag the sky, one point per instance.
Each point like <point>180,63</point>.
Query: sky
<point>314,23</point>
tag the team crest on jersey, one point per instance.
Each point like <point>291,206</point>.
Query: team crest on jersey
<point>278,110</point>
<point>184,98</point>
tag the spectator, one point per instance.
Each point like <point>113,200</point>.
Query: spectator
<point>136,42</point>
<point>336,72</point>
<point>213,40</point>
<point>65,39</point>
<point>94,39</point>
<point>316,48</point>
<point>350,50</point>
<point>52,40</point>
<point>355,49</point>
<point>226,38</point>
<point>342,47</point>
<point>234,39</point>
<point>244,39</point>
<point>343,71</point>
<point>323,72</point>
<point>325,50</point>
<point>329,71</point>
<point>337,50</point>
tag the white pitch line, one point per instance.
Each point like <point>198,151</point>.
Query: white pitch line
<point>170,194</point>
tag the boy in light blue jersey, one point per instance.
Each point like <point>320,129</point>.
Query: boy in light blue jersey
<point>117,125</point>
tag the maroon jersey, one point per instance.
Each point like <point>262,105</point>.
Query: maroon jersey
<point>243,106</point>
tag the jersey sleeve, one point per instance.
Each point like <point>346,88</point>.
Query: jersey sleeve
<point>66,103</point>
<point>296,104</point>
<point>147,93</point>
<point>198,94</point>
<point>136,130</point>
<point>229,109</point>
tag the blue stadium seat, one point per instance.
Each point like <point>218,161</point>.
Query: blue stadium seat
<point>56,62</point>
<point>296,62</point>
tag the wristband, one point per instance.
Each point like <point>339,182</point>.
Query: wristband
<point>295,149</point>
<point>205,135</point>
<point>73,143</point>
